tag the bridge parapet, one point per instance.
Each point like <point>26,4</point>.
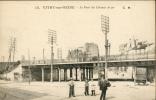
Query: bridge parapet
<point>112,58</point>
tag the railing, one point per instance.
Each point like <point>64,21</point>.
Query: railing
<point>110,58</point>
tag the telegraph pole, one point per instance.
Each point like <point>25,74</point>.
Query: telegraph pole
<point>59,54</point>
<point>14,47</point>
<point>10,53</point>
<point>77,52</point>
<point>10,49</point>
<point>52,40</point>
<point>42,69</point>
<point>43,56</point>
<point>29,66</point>
<point>105,30</point>
<point>98,65</point>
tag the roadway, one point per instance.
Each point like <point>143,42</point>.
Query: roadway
<point>59,91</point>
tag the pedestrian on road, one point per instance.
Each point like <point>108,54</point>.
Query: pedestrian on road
<point>92,84</point>
<point>103,84</point>
<point>86,88</point>
<point>71,88</point>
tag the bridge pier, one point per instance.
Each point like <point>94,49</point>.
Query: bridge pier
<point>68,74</point>
<point>59,73</point>
<point>83,74</point>
<point>90,74</point>
<point>65,74</point>
<point>87,74</point>
<point>71,73</point>
<point>76,73</point>
<point>134,74</point>
<point>79,74</point>
<point>42,68</point>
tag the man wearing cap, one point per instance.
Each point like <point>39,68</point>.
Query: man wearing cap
<point>71,88</point>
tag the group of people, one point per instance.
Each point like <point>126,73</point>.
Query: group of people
<point>87,88</point>
<point>103,84</point>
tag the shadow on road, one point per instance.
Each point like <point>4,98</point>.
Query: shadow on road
<point>83,97</point>
<point>18,94</point>
<point>111,97</point>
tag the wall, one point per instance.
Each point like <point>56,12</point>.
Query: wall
<point>17,70</point>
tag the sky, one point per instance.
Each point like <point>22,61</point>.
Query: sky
<point>74,27</point>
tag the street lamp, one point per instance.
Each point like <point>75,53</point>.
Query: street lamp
<point>105,30</point>
<point>51,40</point>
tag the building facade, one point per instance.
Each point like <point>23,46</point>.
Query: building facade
<point>92,51</point>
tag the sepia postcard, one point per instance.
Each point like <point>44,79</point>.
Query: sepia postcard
<point>77,50</point>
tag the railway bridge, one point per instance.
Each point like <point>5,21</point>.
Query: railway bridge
<point>63,70</point>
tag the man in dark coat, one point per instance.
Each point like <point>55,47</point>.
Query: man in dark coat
<point>103,84</point>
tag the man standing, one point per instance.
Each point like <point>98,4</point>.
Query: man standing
<point>86,88</point>
<point>92,84</point>
<point>103,87</point>
<point>71,88</point>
